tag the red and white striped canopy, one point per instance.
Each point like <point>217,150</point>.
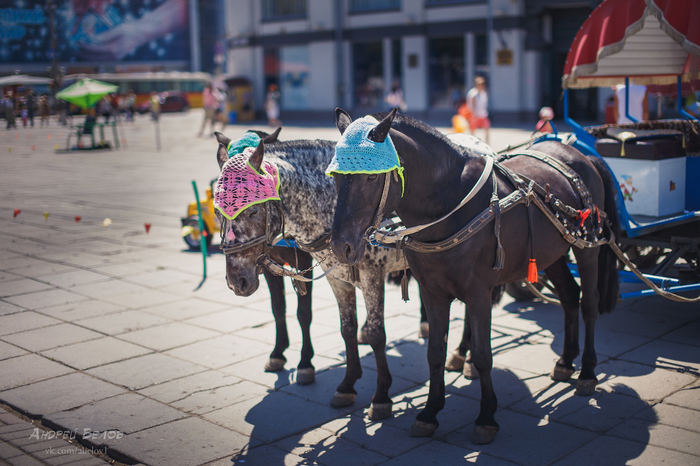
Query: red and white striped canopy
<point>649,41</point>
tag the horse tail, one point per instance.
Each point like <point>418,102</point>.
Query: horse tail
<point>608,278</point>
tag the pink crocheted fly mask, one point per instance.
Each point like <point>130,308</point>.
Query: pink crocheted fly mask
<point>241,186</point>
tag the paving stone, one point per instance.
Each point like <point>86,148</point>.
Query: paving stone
<point>122,322</point>
<point>7,308</point>
<point>220,351</point>
<point>206,401</point>
<point>252,369</point>
<point>46,444</point>
<point>375,436</point>
<point>8,277</point>
<point>604,412</point>
<point>24,461</point>
<point>264,454</point>
<point>144,371</point>
<point>95,353</point>
<point>646,325</point>
<point>28,368</point>
<point>126,413</point>
<point>9,419</point>
<point>666,354</point>
<point>687,334</point>
<point>58,394</point>
<point>20,322</point>
<point>160,278</point>
<point>670,415</point>
<point>439,453</point>
<point>10,351</point>
<point>232,320</point>
<point>74,278</point>
<point>519,432</point>
<point>408,361</point>
<point>687,397</point>
<point>510,385</point>
<point>659,435</point>
<point>51,337</point>
<point>533,318</point>
<point>107,288</point>
<point>320,445</point>
<point>168,336</point>
<point>81,310</point>
<point>186,441</point>
<point>21,286</point>
<point>8,451</point>
<point>537,358</point>
<point>611,450</point>
<point>43,299</point>
<point>42,268</point>
<point>185,309</point>
<point>272,417</point>
<point>142,299</point>
<point>640,380</point>
<point>180,389</point>
<point>124,269</point>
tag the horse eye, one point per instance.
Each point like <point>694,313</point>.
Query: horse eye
<point>252,211</point>
<point>371,177</point>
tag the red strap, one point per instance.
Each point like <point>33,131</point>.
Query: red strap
<point>583,214</point>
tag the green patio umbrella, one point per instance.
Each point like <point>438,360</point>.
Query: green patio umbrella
<point>86,92</point>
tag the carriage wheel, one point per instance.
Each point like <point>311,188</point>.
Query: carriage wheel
<point>644,257</point>
<point>193,239</point>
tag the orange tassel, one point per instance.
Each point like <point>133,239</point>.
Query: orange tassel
<point>532,271</point>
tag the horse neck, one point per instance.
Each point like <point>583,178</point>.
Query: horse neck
<point>307,193</point>
<point>437,174</point>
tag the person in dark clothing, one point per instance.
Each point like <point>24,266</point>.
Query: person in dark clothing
<point>31,103</point>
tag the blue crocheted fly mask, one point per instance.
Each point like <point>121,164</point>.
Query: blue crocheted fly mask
<point>249,139</point>
<point>356,153</point>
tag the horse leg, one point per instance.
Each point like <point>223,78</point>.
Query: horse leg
<point>569,294</point>
<point>424,329</point>
<point>587,261</point>
<point>373,292</point>
<point>345,295</point>
<point>461,358</point>
<point>306,373</point>
<point>438,319</point>
<point>479,305</point>
<point>276,286</point>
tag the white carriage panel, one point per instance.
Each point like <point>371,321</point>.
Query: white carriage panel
<point>651,187</point>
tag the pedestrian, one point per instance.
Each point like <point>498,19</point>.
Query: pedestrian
<point>44,110</point>
<point>478,103</point>
<point>10,111</point>
<point>272,106</point>
<point>131,101</point>
<point>23,113</point>
<point>395,98</point>
<point>155,106</point>
<point>546,115</point>
<point>211,104</point>
<point>638,106</point>
<point>30,106</point>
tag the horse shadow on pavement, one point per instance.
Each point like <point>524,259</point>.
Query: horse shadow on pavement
<point>541,420</point>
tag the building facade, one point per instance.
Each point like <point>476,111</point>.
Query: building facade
<point>324,54</point>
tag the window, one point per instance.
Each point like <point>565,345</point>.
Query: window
<point>446,68</point>
<point>358,6</point>
<point>283,9</point>
<point>295,77</point>
<point>450,2</point>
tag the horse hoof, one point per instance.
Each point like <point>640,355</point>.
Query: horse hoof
<point>561,373</point>
<point>362,338</point>
<point>424,330</point>
<point>378,411</point>
<point>484,434</point>
<point>274,365</point>
<point>422,429</point>
<point>586,387</point>
<point>455,362</point>
<point>469,371</point>
<point>341,400</point>
<point>306,376</point>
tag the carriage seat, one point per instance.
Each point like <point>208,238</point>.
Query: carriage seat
<point>642,144</point>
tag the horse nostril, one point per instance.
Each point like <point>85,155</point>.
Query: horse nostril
<point>243,283</point>
<point>348,251</point>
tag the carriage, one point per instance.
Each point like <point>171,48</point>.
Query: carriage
<point>656,162</point>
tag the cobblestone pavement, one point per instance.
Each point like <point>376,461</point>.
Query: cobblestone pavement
<point>106,336</point>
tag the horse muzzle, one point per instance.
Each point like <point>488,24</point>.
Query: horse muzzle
<point>242,284</point>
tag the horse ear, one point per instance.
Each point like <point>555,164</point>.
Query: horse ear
<point>221,155</point>
<point>342,119</point>
<point>222,139</point>
<point>381,131</point>
<point>272,137</point>
<point>257,158</point>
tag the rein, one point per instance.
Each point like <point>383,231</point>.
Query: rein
<point>267,240</point>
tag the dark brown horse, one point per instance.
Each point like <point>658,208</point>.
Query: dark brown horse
<point>438,176</point>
